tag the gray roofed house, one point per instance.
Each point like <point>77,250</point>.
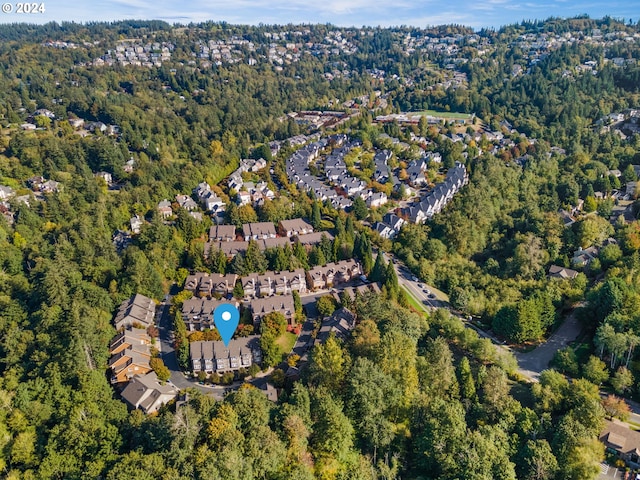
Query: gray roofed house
<point>186,202</point>
<point>164,208</point>
<point>211,202</point>
<point>583,257</point>
<point>127,338</point>
<point>147,393</point>
<point>205,284</point>
<point>556,271</point>
<point>340,324</point>
<point>333,273</point>
<point>394,221</point>
<point>214,356</point>
<point>384,230</point>
<point>197,313</point>
<point>222,233</point>
<point>231,249</point>
<point>273,242</point>
<point>136,310</point>
<point>6,192</point>
<point>296,226</point>
<point>377,200</point>
<point>136,223</point>
<point>278,303</point>
<point>258,230</point>
<point>313,238</point>
<point>618,438</point>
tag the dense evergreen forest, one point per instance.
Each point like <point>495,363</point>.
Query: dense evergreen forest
<point>407,395</point>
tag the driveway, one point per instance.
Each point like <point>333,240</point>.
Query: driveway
<point>534,362</point>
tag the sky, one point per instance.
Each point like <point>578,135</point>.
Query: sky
<point>420,13</point>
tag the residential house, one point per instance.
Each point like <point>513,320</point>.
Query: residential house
<point>632,189</point>
<point>50,186</point>
<point>341,323</point>
<point>352,185</point>
<point>415,171</point>
<point>278,303</point>
<point>186,202</point>
<point>214,356</point>
<point>222,233</point>
<point>259,230</point>
<point>377,200</point>
<point>231,249</point>
<point>106,176</point>
<point>137,310</point>
<point>76,122</point>
<point>235,181</point>
<point>243,198</point>
<point>271,283</point>
<point>341,203</point>
<point>583,257</point>
<point>556,271</point>
<point>250,285</point>
<point>129,361</point>
<point>121,239</point>
<point>201,190</point>
<point>384,230</point>
<point>331,274</point>
<point>394,221</point>
<point>206,285</point>
<point>381,160</point>
<point>212,203</point>
<point>136,223</point>
<point>128,338</point>
<point>197,312</point>
<point>266,284</point>
<point>294,227</point>
<point>619,439</point>
<point>6,192</point>
<point>566,217</point>
<point>312,239</point>
<point>273,242</point>
<point>164,208</point>
<point>147,393</point>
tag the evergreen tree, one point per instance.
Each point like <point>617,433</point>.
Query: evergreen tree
<point>238,291</point>
<point>316,256</point>
<point>254,259</point>
<point>379,271</point>
<point>360,208</point>
<point>350,230</point>
<point>316,218</point>
<point>339,226</point>
<point>301,254</point>
<point>466,381</point>
<point>391,280</point>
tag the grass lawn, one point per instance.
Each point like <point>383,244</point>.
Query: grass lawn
<point>414,303</point>
<point>287,341</point>
<point>451,115</point>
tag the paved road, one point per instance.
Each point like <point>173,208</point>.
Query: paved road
<point>170,359</point>
<point>432,300</point>
<point>534,362</point>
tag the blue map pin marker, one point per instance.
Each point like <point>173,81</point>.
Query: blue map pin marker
<point>226,318</point>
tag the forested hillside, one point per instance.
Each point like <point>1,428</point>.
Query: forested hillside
<point>407,395</point>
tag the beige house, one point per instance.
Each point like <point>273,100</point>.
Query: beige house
<point>147,393</point>
<point>331,274</point>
